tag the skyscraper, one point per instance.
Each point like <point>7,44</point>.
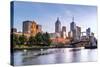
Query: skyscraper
<point>88,32</point>
<point>78,32</point>
<point>64,28</point>
<point>39,27</point>
<point>63,33</point>
<point>70,34</point>
<point>27,26</point>
<point>30,27</point>
<point>73,25</point>
<point>58,26</point>
<point>73,29</point>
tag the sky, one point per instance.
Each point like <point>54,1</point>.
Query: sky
<point>46,15</point>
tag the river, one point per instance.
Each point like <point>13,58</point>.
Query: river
<point>57,55</point>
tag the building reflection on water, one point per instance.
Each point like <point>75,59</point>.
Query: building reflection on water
<point>62,55</point>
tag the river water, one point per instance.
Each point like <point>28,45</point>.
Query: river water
<point>58,55</point>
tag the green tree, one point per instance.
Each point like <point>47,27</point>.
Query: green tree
<point>38,38</point>
<point>15,39</point>
<point>43,39</point>
<point>32,40</point>
<point>22,39</point>
<point>46,39</point>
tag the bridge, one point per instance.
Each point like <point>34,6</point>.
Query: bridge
<point>81,43</point>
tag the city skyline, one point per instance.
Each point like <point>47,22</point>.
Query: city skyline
<point>46,15</point>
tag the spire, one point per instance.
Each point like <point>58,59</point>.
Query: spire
<point>58,21</point>
<point>57,18</point>
<point>73,19</point>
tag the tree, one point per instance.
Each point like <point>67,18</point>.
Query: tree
<point>32,40</point>
<point>46,39</point>
<point>43,39</point>
<point>22,39</point>
<point>15,39</point>
<point>38,38</point>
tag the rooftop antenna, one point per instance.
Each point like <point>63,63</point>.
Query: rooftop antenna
<point>73,19</point>
<point>57,18</point>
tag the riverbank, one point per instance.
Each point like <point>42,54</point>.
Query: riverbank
<point>47,47</point>
<point>38,48</point>
<point>41,47</point>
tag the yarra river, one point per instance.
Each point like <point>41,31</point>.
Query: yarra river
<point>56,55</point>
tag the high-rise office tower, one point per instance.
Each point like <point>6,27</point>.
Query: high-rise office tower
<point>88,32</point>
<point>73,29</point>
<point>30,27</point>
<point>58,26</point>
<point>63,33</point>
<point>78,32</point>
